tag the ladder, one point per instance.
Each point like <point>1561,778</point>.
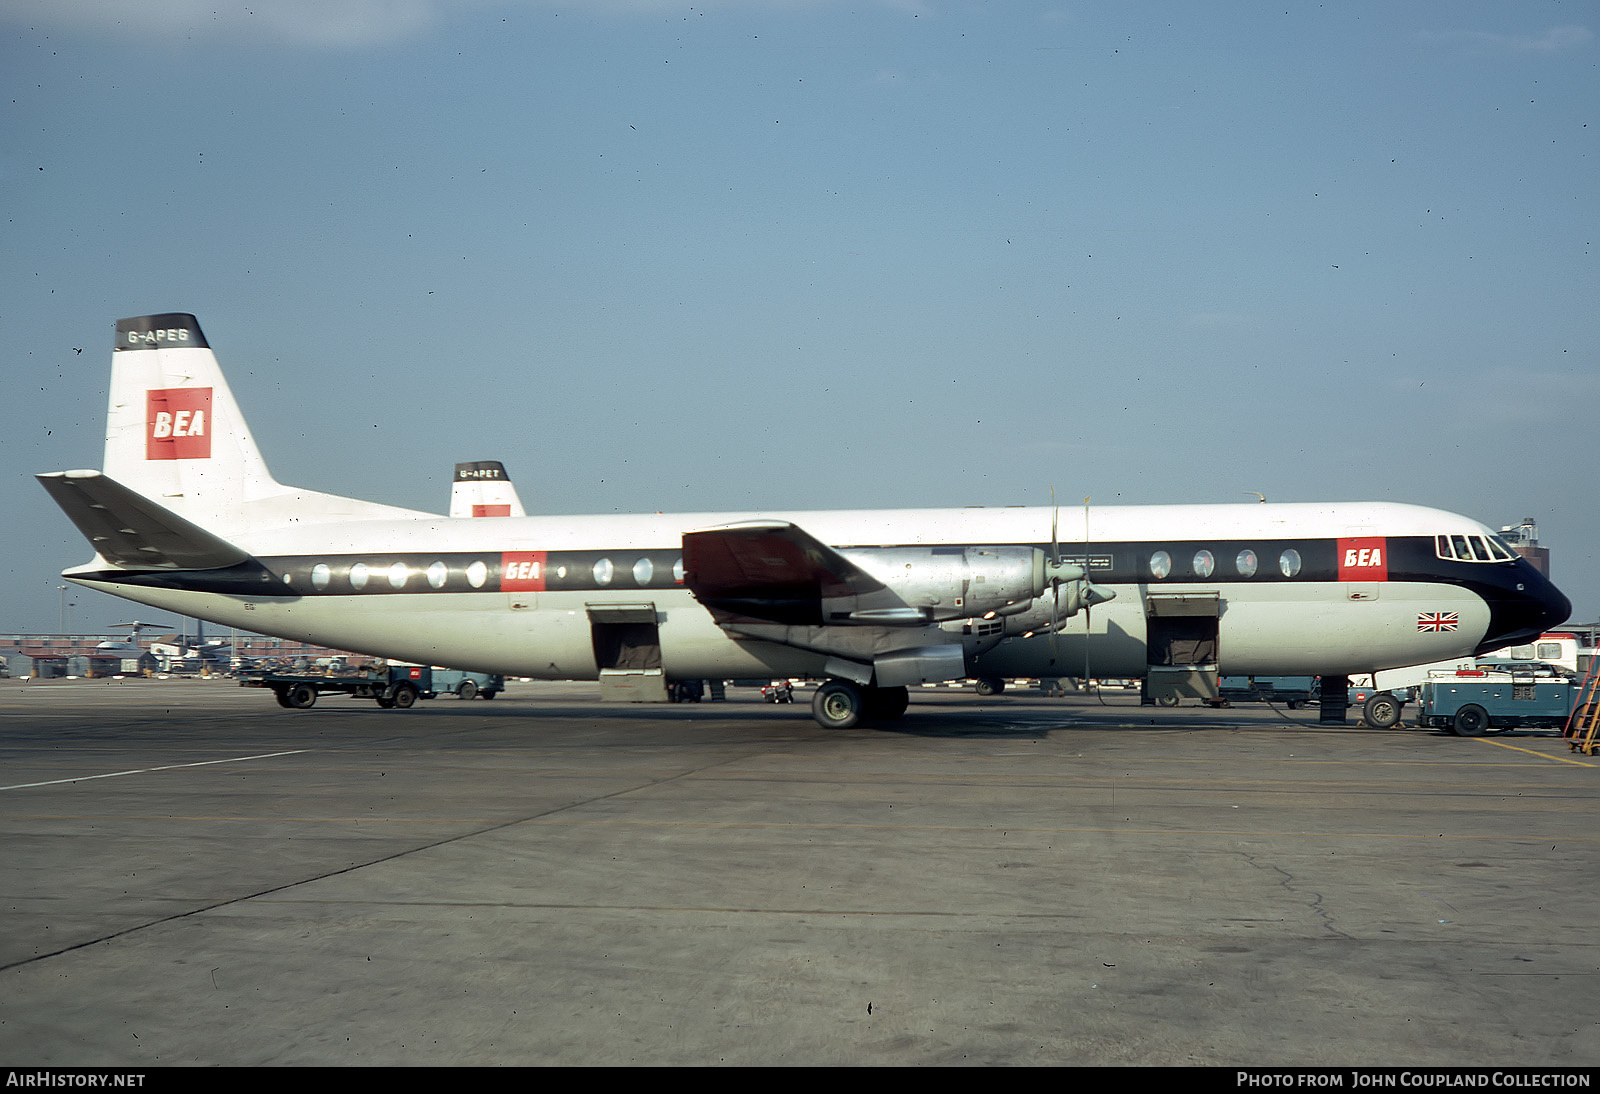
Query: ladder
<point>1583,724</point>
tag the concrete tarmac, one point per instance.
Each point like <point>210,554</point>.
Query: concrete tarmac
<point>190,874</point>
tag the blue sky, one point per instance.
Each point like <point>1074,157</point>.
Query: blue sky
<point>814,254</point>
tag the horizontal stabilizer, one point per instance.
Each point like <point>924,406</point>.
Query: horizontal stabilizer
<point>132,531</point>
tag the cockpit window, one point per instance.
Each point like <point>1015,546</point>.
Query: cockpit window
<point>1460,548</point>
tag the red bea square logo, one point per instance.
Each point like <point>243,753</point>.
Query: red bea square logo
<point>522,571</point>
<point>177,423</point>
<point>1364,559</point>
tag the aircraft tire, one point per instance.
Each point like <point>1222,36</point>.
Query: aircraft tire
<point>301,697</point>
<point>405,696</point>
<point>838,704</point>
<point>1382,711</point>
<point>467,690</point>
<point>1471,721</point>
<point>887,704</point>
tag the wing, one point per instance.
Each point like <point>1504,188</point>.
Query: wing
<point>769,570</point>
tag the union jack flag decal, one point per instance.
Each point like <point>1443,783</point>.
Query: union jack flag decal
<point>1438,621</point>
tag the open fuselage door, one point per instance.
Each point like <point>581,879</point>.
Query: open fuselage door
<point>627,652</point>
<point>1181,639</point>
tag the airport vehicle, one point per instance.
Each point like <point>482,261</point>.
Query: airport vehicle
<point>1470,702</point>
<point>389,685</point>
<point>1382,696</point>
<point>779,691</point>
<point>1559,648</point>
<point>185,516</point>
<point>1293,692</point>
<point>468,685</point>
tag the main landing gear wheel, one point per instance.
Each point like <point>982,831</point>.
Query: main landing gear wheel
<point>838,704</point>
<point>1382,711</point>
<point>300,697</point>
<point>1471,721</point>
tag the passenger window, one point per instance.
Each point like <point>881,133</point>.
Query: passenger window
<point>1289,562</point>
<point>1160,565</point>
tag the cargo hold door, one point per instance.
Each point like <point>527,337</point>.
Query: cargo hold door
<point>1181,647</point>
<point>627,652</point>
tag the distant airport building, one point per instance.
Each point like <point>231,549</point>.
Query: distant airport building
<point>48,656</point>
<point>1524,539</point>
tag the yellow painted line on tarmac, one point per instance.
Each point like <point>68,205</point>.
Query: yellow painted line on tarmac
<point>1541,755</point>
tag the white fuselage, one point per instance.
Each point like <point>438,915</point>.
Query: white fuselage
<point>529,620</point>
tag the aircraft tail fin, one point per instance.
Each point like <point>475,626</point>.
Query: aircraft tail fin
<point>175,435</point>
<point>483,489</point>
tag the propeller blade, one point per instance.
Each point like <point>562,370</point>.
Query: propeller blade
<point>1055,557</point>
<point>1088,598</point>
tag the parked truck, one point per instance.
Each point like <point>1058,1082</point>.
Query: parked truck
<point>1471,702</point>
<point>468,685</point>
<point>389,685</point>
<point>1382,696</point>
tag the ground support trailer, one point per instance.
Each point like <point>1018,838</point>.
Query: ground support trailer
<point>1293,692</point>
<point>394,686</point>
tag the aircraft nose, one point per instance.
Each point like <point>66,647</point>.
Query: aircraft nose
<point>1526,610</point>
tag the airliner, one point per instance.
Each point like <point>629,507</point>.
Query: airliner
<point>186,517</point>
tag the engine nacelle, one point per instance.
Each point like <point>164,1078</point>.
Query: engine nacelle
<point>943,583</point>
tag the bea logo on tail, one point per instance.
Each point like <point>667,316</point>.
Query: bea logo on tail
<point>178,423</point>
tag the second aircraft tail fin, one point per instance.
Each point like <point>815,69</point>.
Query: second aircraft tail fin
<point>483,489</point>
